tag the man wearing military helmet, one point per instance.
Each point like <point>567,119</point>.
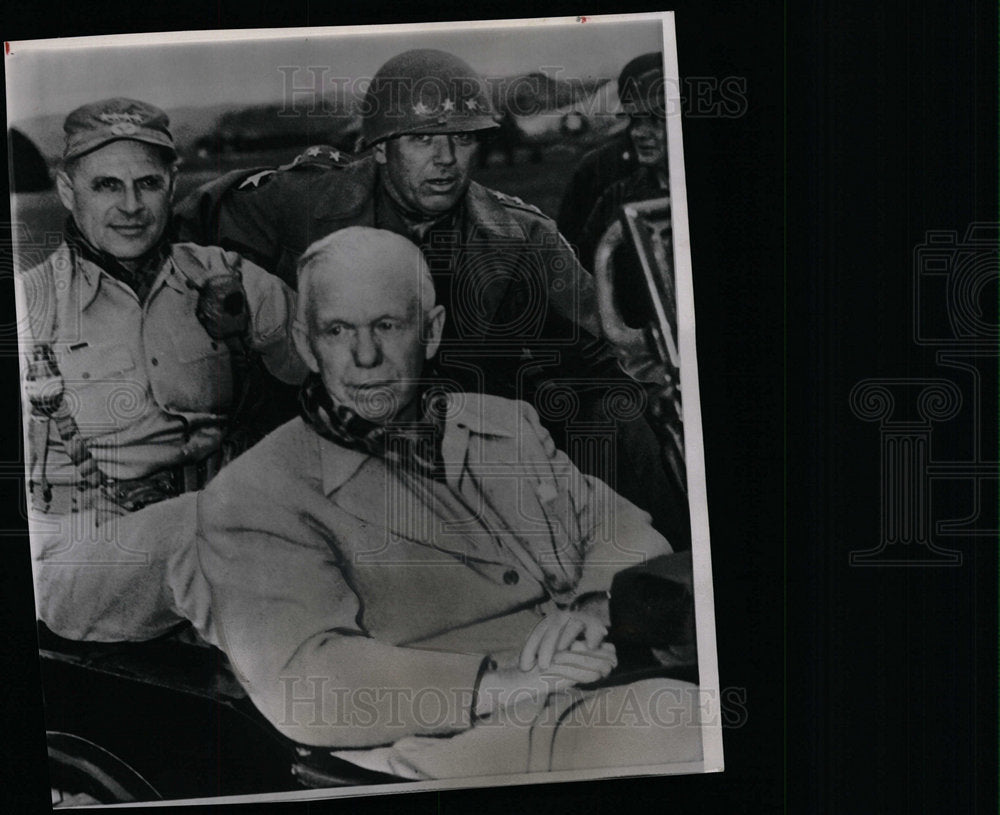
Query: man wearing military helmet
<point>524,321</point>
<point>422,113</point>
<point>133,346</point>
<point>643,102</point>
<point>613,160</point>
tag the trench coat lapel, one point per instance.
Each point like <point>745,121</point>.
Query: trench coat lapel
<point>392,512</point>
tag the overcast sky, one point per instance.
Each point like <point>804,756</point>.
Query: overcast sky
<point>54,80</point>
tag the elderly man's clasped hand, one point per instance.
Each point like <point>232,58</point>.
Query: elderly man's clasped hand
<point>567,647</point>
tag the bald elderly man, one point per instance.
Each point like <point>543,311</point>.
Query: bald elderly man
<point>523,321</point>
<point>400,563</point>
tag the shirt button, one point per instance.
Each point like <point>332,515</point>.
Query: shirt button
<point>85,375</point>
<point>155,361</point>
<point>511,577</point>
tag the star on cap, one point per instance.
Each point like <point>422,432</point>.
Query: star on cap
<point>471,104</point>
<point>334,154</point>
<point>314,151</point>
<point>448,105</point>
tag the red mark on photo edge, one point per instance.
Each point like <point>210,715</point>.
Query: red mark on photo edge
<point>581,19</point>
<point>6,47</point>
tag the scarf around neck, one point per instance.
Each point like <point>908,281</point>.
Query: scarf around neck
<point>415,445</point>
<point>414,449</point>
<point>140,281</point>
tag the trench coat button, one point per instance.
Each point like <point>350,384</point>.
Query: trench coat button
<point>155,361</point>
<point>510,577</point>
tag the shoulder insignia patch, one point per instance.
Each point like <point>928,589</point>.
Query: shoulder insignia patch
<point>319,155</point>
<point>517,203</point>
<point>255,181</point>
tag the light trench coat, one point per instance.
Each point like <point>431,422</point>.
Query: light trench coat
<point>357,603</point>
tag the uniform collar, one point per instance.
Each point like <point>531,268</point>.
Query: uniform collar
<point>392,214</point>
<point>172,277</point>
<point>491,218</point>
<point>89,278</point>
<point>479,214</point>
<point>356,187</point>
<point>91,263</point>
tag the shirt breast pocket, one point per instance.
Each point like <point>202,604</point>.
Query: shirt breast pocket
<point>103,389</point>
<point>197,376</point>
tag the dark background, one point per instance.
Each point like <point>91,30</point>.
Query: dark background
<point>867,690</point>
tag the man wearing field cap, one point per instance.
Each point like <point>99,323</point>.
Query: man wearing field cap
<point>523,321</point>
<point>136,351</point>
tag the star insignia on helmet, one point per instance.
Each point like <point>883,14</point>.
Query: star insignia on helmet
<point>471,104</point>
<point>448,104</point>
<point>421,109</point>
<point>334,154</point>
<point>314,151</point>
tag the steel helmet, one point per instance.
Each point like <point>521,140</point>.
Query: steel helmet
<point>641,86</point>
<point>425,91</point>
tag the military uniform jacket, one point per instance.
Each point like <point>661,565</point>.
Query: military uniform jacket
<point>514,291</point>
<point>372,596</point>
<point>147,386</point>
<point>598,169</point>
<point>641,184</point>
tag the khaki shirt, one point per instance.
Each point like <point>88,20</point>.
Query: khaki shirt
<point>147,386</point>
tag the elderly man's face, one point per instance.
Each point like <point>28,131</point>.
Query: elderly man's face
<point>368,339</point>
<point>429,173</point>
<point>120,197</point>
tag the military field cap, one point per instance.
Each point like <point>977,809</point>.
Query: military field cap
<point>95,125</point>
<point>641,87</point>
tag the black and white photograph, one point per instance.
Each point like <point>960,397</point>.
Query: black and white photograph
<point>446,408</point>
<point>361,409</point>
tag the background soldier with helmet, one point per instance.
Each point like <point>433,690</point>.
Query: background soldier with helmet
<point>608,163</point>
<point>524,320</point>
<point>642,98</point>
